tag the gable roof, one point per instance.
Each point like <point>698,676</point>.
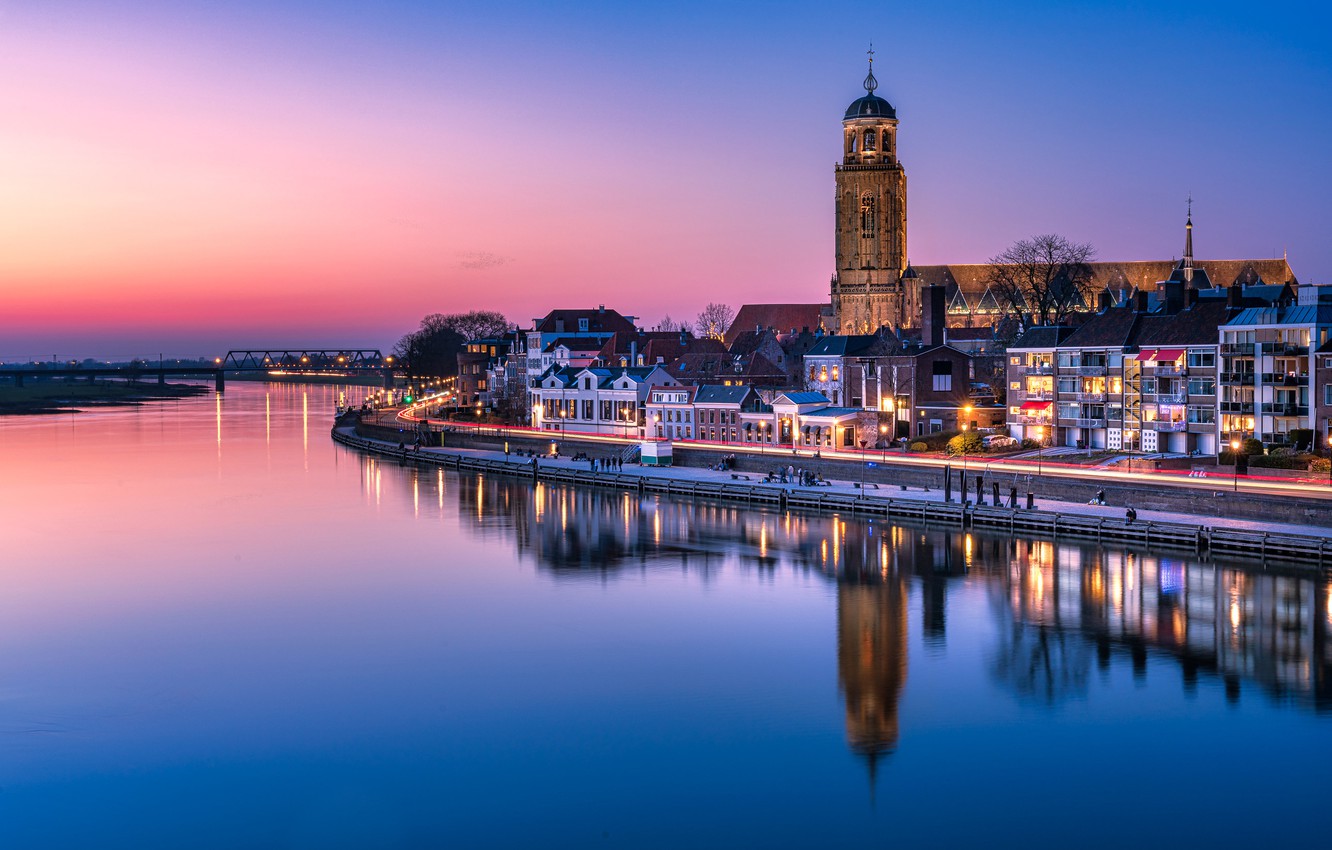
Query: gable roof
<point>779,317</point>
<point>719,394</point>
<point>1042,336</point>
<point>599,320</point>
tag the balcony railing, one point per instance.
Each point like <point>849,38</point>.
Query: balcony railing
<point>1286,409</point>
<point>1038,395</point>
<point>1284,379</point>
<point>1174,425</point>
<point>1239,349</point>
<point>1032,420</point>
<point>1171,398</point>
<point>1170,369</point>
<point>1089,423</point>
<point>1245,378</point>
<point>1287,348</point>
<point>1237,407</point>
<point>1084,396</point>
<point>1038,369</point>
<point>1091,371</point>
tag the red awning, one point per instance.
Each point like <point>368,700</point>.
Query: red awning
<point>1029,406</point>
<point>1169,355</point>
<point>1147,354</point>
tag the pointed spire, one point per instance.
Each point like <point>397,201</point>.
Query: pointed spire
<point>1187,262</point>
<point>870,83</point>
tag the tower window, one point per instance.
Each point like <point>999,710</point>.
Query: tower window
<point>867,226</point>
<point>871,140</point>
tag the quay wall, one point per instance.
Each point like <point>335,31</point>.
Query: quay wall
<point>888,500</point>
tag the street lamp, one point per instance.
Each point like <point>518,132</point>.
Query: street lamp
<point>966,425</point>
<point>1234,456</point>
<point>863,443</point>
<point>763,435</point>
<point>883,437</point>
<point>1040,446</point>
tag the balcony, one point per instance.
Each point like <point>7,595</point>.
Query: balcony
<point>1093,397</point>
<point>1038,369</point>
<point>1237,407</point>
<point>1031,420</point>
<point>1245,378</point>
<point>1171,398</point>
<point>1237,349</point>
<point>1286,348</point>
<point>1170,369</point>
<point>1284,379</point>
<point>1286,409</point>
<point>1162,425</point>
<point>1089,423</point>
<point>1091,371</point>
<point>1038,395</point>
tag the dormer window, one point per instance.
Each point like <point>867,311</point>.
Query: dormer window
<point>582,325</point>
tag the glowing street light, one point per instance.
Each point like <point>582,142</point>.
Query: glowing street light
<point>1234,456</point>
<point>1040,446</point>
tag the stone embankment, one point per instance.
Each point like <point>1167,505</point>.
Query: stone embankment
<point>1309,546</point>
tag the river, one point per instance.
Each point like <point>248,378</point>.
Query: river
<point>219,629</point>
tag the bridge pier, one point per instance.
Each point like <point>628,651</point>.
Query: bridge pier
<point>18,379</point>
<point>161,377</point>
<point>219,382</point>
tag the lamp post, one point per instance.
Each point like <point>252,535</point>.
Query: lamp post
<point>1040,446</point>
<point>966,426</point>
<point>863,443</point>
<point>883,437</point>
<point>1329,455</point>
<point>763,436</point>
<point>562,415</point>
<point>1234,456</point>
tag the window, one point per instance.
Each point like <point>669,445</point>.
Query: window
<point>1327,394</point>
<point>871,140</point>
<point>943,376</point>
<point>836,373</point>
<point>1202,386</point>
<point>582,325</point>
<point>867,226</point>
<point>587,409</point>
<point>813,373</point>
<point>1202,359</point>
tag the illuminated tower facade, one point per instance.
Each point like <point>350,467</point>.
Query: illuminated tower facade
<point>868,290</point>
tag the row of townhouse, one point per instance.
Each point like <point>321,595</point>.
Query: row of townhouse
<point>1181,375</point>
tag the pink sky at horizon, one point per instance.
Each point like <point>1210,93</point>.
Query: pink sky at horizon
<point>194,179</point>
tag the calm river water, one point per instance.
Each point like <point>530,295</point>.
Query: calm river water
<point>219,629</point>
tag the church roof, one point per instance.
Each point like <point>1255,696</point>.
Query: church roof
<point>782,318</point>
<point>869,106</point>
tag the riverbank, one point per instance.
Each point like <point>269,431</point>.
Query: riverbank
<point>72,396</point>
<point>1301,545</point>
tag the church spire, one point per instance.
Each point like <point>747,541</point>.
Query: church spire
<point>1188,237</point>
<point>870,83</point>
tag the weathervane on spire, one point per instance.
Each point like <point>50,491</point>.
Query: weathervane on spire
<point>870,83</point>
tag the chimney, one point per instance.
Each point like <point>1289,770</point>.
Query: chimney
<point>933,316</point>
<point>1140,301</point>
<point>633,353</point>
<point>1190,296</point>
<point>1234,295</point>
<point>601,308</point>
<point>1103,300</point>
<point>684,338</point>
<point>1174,296</point>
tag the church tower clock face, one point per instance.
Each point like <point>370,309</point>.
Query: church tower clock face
<point>870,228</point>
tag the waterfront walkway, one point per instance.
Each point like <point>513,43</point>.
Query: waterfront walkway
<point>849,488</point>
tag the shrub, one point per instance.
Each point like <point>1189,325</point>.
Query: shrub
<point>919,447</point>
<point>939,441</point>
<point>968,442</point>
<point>1320,464</point>
<point>1282,451</point>
<point>1029,443</point>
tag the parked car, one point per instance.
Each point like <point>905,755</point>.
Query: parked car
<point>998,441</point>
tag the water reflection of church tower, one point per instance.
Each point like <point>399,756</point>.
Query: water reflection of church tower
<point>872,661</point>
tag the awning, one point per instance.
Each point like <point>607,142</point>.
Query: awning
<point>1030,406</point>
<point>1169,355</point>
<point>1147,354</point>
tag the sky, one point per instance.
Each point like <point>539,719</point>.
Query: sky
<point>188,177</point>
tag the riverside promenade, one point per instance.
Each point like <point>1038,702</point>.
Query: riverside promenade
<point>1302,545</point>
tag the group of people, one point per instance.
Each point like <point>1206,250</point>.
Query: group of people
<point>791,475</point>
<point>727,463</point>
<point>606,464</point>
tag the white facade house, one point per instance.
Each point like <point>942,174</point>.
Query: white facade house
<point>595,400</point>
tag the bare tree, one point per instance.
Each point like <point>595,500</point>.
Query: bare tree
<point>713,321</point>
<point>669,324</point>
<point>1045,278</point>
<point>433,348</point>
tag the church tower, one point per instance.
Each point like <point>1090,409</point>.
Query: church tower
<point>868,291</point>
